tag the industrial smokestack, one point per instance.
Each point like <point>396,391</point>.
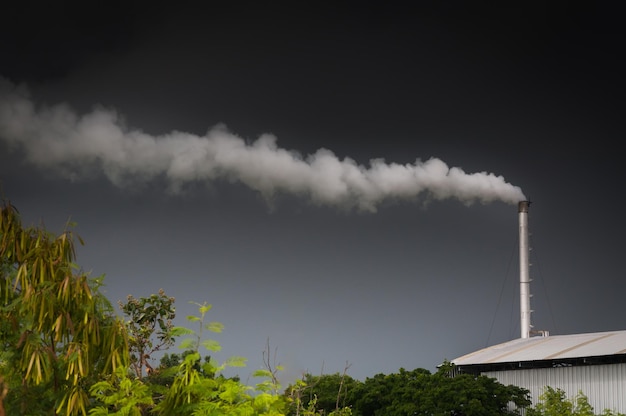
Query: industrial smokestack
<point>524,275</point>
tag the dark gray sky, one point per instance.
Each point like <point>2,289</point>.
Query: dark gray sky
<point>184,143</point>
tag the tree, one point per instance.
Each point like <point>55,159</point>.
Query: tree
<point>58,333</point>
<point>554,402</point>
<point>149,328</point>
<point>323,394</point>
<point>468,395</point>
<point>419,392</point>
<point>385,394</point>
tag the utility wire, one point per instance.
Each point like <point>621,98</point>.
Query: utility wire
<point>506,275</point>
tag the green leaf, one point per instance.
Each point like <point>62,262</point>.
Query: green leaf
<point>186,344</point>
<point>205,308</point>
<point>236,362</point>
<point>177,331</point>
<point>262,373</point>
<point>214,327</point>
<point>211,345</point>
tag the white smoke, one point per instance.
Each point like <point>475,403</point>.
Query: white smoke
<point>99,142</point>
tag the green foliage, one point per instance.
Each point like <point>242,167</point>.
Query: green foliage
<point>149,327</point>
<point>554,402</point>
<point>120,395</point>
<point>419,392</point>
<point>61,342</point>
<point>327,394</point>
<point>58,333</point>
<point>184,384</point>
<point>197,391</point>
<point>416,392</point>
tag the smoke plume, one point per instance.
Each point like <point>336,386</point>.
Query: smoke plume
<point>79,146</point>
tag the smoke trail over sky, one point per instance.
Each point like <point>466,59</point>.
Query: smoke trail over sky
<point>79,146</point>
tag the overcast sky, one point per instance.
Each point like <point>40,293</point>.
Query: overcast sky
<point>341,181</point>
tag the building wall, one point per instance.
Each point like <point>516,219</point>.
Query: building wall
<point>604,385</point>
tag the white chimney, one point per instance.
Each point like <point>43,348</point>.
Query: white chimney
<point>524,275</point>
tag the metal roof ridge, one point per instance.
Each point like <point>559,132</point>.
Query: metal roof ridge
<point>556,354</point>
<point>526,346</point>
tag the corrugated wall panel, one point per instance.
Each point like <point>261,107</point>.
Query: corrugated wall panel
<point>604,385</point>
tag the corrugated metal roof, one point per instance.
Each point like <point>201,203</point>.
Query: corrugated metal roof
<point>551,347</point>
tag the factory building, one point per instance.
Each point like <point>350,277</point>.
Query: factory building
<point>592,363</point>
